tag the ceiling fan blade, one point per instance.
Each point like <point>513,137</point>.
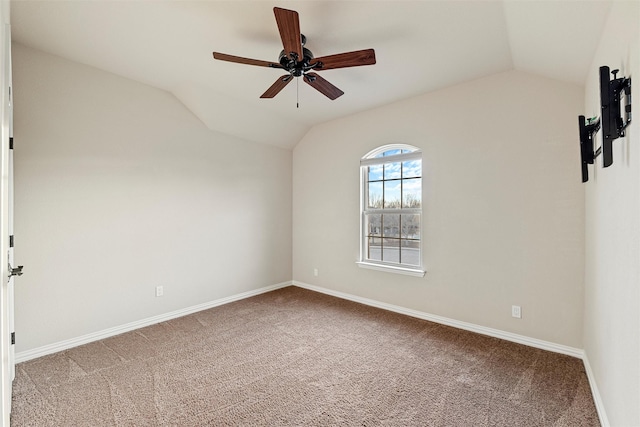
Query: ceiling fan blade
<point>347,59</point>
<point>240,60</point>
<point>322,86</point>
<point>289,27</point>
<point>277,86</point>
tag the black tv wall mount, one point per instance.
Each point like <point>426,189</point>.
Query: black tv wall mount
<point>612,92</point>
<point>588,128</point>
<point>613,125</point>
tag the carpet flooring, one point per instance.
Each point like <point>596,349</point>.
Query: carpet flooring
<point>294,357</point>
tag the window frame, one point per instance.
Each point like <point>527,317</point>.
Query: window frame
<point>373,158</point>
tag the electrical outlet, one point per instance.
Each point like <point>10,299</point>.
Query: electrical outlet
<point>315,272</point>
<point>516,311</point>
<point>159,291</point>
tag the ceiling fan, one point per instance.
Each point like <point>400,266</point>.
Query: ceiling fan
<point>298,61</point>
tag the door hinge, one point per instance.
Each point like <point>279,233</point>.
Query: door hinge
<point>10,241</point>
<point>10,143</point>
<point>15,271</point>
<point>13,338</point>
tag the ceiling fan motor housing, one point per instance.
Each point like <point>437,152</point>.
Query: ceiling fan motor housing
<point>296,68</point>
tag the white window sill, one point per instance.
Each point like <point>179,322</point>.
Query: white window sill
<point>417,272</point>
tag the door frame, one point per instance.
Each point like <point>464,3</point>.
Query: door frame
<point>10,215</point>
<point>5,322</point>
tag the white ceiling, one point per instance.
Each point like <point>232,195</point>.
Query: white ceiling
<point>420,46</point>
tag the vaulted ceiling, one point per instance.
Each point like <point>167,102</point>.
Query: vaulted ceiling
<point>421,46</point>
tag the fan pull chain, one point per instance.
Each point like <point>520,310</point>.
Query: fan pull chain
<point>297,93</point>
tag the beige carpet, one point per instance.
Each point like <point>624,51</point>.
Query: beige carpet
<point>298,358</point>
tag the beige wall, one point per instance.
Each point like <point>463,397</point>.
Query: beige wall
<point>504,205</point>
<point>120,189</point>
<point>612,289</point>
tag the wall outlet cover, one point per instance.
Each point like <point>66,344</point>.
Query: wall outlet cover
<point>516,311</point>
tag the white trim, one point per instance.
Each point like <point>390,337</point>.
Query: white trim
<point>597,399</point>
<point>6,348</point>
<point>23,356</point>
<point>396,211</point>
<point>414,155</point>
<point>387,147</point>
<point>520,339</point>
<point>367,160</point>
<point>496,333</point>
<point>417,272</point>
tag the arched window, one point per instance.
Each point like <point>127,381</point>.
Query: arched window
<point>391,209</point>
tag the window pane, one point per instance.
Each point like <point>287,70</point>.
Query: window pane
<point>375,173</point>
<point>374,225</point>
<point>391,194</point>
<point>410,226</point>
<point>410,252</point>
<point>412,193</point>
<point>412,169</point>
<point>391,225</point>
<point>391,152</point>
<point>375,195</point>
<point>391,250</point>
<point>374,246</point>
<point>392,170</point>
<point>393,185</point>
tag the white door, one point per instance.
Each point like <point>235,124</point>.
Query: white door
<point>12,353</point>
<point>6,182</point>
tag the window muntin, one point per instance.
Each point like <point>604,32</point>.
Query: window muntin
<point>392,207</point>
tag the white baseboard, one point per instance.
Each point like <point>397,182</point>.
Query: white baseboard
<point>496,333</point>
<point>23,356</point>
<point>520,339</point>
<point>95,336</point>
<point>597,399</point>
